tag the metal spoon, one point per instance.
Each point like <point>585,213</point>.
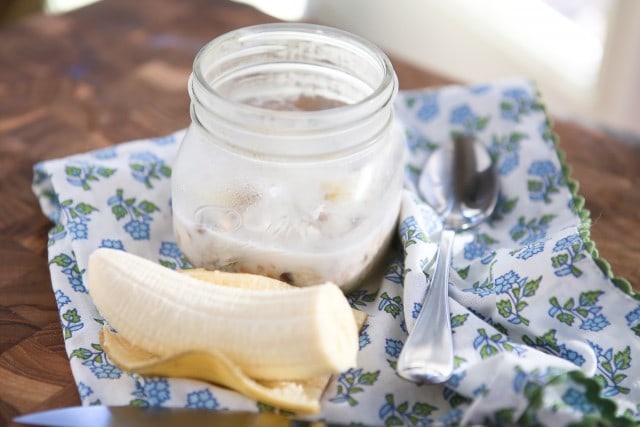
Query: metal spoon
<point>460,183</point>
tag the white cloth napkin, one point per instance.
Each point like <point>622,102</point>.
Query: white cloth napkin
<point>542,332</point>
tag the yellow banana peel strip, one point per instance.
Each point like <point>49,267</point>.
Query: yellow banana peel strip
<point>214,367</point>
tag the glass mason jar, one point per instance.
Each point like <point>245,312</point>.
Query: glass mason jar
<point>292,166</point>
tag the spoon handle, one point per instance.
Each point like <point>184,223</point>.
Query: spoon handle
<point>427,355</point>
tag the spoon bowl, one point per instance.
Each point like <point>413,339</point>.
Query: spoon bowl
<point>460,183</point>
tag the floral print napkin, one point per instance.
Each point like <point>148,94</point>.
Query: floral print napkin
<point>543,333</point>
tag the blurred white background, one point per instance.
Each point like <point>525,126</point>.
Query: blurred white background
<point>583,54</point>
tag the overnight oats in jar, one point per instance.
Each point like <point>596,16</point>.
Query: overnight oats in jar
<point>292,166</point>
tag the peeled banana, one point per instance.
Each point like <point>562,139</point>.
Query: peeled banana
<point>237,280</point>
<point>276,334</point>
<point>255,282</point>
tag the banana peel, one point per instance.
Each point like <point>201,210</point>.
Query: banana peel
<point>214,367</point>
<point>301,396</point>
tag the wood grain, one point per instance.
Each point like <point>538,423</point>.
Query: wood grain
<point>117,71</point>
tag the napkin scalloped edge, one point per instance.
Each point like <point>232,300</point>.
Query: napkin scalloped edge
<point>606,406</point>
<point>585,218</point>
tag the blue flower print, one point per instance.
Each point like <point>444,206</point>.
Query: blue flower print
<point>451,418</point>
<point>364,339</point>
<point>105,153</point>
<point>139,230</point>
<point>61,298</point>
<point>516,103</point>
<point>535,376</point>
<point>70,268</point>
<point>570,355</point>
<point>531,383</point>
<point>417,143</point>
<point>417,307</point>
<point>97,361</point>
<point>474,249</point>
<point>458,320</point>
<point>546,133</point>
<point>584,309</point>
<point>395,272</point>
<point>548,343</point>
<point>79,229</point>
<point>429,107</point>
<point>479,89</point>
<point>40,174</point>
<point>84,390</point>
<point>139,214</point>
<point>610,365</point>
<point>410,232</point>
<point>81,173</point>
<point>403,327</point>
<point>595,323</point>
<point>570,251</point>
<point>505,151</point>
<point>411,174</point>
<point>633,320</point>
<point>517,290</point>
<point>391,305</point>
<point>202,399</point>
<point>531,230</point>
<point>455,379</point>
<point>75,280</point>
<point>151,392</point>
<point>479,247</point>
<point>146,166</point>
<point>481,289</point>
<point>568,243</point>
<point>352,382</point>
<point>505,283</point>
<point>504,207</point>
<point>108,371</point>
<point>490,345</point>
<point>360,298</point>
<point>71,322</point>
<point>56,233</point>
<point>463,117</point>
<point>164,140</point>
<point>170,250</point>
<point>172,257</point>
<point>509,163</point>
<point>77,218</point>
<point>530,250</point>
<point>112,244</point>
<point>403,414</point>
<point>578,400</point>
<point>546,180</point>
<point>542,168</point>
<point>393,347</point>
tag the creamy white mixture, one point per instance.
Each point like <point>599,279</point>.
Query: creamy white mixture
<point>299,250</point>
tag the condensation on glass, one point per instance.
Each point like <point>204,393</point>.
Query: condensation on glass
<point>292,165</point>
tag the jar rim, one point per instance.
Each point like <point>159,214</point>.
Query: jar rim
<point>380,95</point>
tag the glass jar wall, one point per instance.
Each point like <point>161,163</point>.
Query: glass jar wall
<point>292,165</point>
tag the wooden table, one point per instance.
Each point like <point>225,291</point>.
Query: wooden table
<point>117,71</point>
